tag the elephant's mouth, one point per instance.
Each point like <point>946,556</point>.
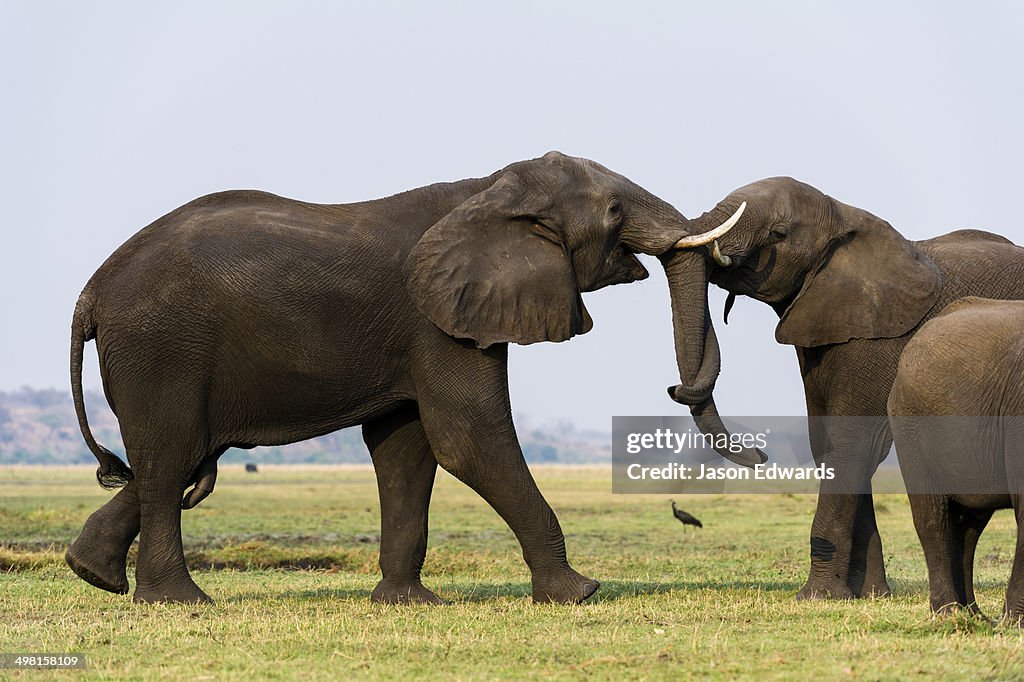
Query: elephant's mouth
<point>744,278</point>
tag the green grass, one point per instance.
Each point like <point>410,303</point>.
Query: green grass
<point>676,603</point>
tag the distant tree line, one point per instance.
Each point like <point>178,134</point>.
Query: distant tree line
<point>39,426</point>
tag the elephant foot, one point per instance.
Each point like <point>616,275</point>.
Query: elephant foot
<point>875,589</point>
<point>954,608</point>
<point>185,592</point>
<point>1014,619</point>
<point>395,592</point>
<point>873,582</point>
<point>108,574</point>
<point>563,587</point>
<point>822,590</point>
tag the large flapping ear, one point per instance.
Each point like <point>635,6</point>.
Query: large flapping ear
<point>871,284</point>
<point>492,272</point>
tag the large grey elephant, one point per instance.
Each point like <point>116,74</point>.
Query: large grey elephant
<point>957,415</point>
<point>244,319</point>
<point>849,291</point>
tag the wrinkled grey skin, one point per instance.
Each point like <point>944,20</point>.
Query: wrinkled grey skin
<point>244,319</point>
<point>967,361</point>
<point>850,291</point>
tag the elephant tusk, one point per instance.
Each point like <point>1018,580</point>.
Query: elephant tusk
<point>716,253</point>
<point>708,237</point>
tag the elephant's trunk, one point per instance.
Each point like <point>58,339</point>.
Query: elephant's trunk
<point>697,352</point>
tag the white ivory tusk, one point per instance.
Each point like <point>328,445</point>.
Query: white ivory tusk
<point>708,237</point>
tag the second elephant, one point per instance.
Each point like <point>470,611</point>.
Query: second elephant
<point>850,291</point>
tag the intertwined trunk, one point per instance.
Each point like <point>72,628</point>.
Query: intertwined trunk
<point>697,352</point>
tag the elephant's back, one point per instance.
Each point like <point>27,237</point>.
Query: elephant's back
<point>965,236</point>
<point>246,227</point>
<point>981,331</point>
<point>968,345</point>
<point>251,244</point>
<point>976,263</point>
<point>238,294</point>
<point>242,273</point>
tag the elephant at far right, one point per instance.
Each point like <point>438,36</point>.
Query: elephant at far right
<point>956,411</point>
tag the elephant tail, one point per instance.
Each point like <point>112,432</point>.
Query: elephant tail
<point>112,472</point>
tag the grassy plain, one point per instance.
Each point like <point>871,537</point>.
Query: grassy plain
<point>290,556</point>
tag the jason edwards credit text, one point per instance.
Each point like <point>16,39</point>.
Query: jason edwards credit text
<point>752,455</point>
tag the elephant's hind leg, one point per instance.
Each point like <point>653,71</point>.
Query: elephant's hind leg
<point>405,468</point>
<point>942,542</point>
<point>160,573</point>
<point>100,553</point>
<point>1013,610</point>
<point>970,528</point>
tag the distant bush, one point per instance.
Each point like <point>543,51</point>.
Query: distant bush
<point>41,398</point>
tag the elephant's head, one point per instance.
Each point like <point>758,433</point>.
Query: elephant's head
<point>509,263</point>
<point>831,271</point>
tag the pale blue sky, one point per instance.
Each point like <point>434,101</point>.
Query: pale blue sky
<point>115,113</point>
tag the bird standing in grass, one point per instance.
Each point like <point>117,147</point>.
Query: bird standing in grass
<point>685,517</point>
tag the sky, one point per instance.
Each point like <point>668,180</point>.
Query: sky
<point>116,113</point>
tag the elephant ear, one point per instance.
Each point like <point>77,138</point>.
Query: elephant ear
<point>872,284</point>
<point>491,271</point>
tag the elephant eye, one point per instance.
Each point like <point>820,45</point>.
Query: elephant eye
<point>779,232</point>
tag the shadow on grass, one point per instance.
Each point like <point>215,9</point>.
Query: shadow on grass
<point>471,593</point>
<point>454,594</point>
<point>903,587</point>
<point>620,589</point>
<point>321,594</point>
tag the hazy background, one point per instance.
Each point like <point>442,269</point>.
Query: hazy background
<point>115,113</point>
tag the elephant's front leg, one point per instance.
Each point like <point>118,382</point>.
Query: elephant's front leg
<point>867,565</point>
<point>846,549</point>
<point>466,413</point>
<point>405,468</point>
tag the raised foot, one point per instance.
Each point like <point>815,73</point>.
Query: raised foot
<point>181,594</point>
<point>393,592</point>
<point>108,574</point>
<point>564,587</point>
<point>835,590</point>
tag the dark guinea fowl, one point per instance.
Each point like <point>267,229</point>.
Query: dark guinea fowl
<point>685,517</point>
